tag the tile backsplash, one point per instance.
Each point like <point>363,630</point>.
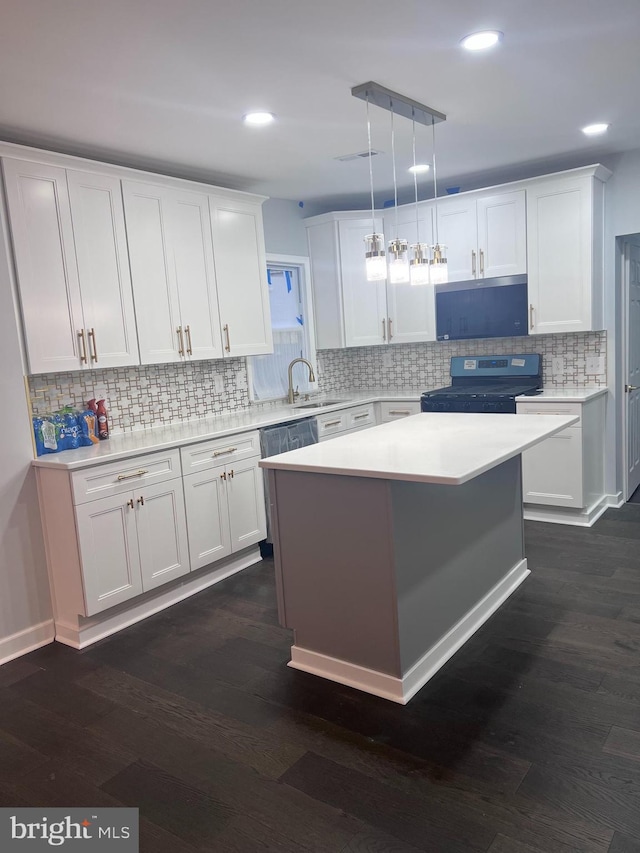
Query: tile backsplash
<point>426,365</point>
<point>150,395</point>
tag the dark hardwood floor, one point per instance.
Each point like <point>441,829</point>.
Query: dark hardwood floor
<point>528,740</point>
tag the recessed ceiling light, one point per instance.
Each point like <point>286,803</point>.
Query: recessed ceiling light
<point>481,40</point>
<point>419,168</point>
<point>258,118</point>
<point>595,129</point>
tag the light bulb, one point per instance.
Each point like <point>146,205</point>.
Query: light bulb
<point>375,262</point>
<point>419,265</point>
<point>398,262</point>
<point>439,268</point>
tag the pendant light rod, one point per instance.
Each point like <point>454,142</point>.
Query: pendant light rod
<point>393,160</point>
<point>398,104</point>
<point>415,174</point>
<point>373,212</point>
<point>435,179</point>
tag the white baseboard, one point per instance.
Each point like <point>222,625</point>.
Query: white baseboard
<point>565,515</point>
<point>616,501</point>
<point>90,631</point>
<point>402,689</point>
<point>26,641</point>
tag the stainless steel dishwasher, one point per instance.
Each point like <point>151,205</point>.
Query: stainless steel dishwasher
<point>279,439</point>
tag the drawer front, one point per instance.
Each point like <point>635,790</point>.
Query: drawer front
<point>330,424</point>
<point>551,409</point>
<point>219,451</point>
<point>116,478</point>
<point>361,417</point>
<point>390,411</point>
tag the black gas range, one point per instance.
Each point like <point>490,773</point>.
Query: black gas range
<point>486,384</point>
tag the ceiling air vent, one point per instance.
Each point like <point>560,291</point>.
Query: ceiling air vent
<point>360,155</point>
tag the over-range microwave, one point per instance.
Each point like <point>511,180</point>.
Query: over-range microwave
<point>487,308</point>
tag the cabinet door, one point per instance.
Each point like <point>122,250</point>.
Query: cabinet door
<point>153,276</point>
<point>245,495</point>
<point>559,249</point>
<point>241,274</point>
<point>108,552</point>
<point>205,495</point>
<point>41,228</point>
<point>502,238</point>
<point>412,310</point>
<point>458,232</point>
<point>103,268</point>
<point>552,471</point>
<point>364,302</point>
<point>162,533</point>
<point>191,255</point>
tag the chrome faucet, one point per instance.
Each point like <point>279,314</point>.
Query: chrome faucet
<point>293,394</point>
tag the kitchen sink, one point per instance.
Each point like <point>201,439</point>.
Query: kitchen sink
<point>320,405</point>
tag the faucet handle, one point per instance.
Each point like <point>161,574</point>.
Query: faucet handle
<point>296,393</point>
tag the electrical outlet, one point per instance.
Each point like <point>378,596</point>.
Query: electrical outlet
<point>387,359</point>
<point>557,366</point>
<point>218,384</point>
<point>595,365</point>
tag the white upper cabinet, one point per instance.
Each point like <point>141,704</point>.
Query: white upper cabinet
<point>351,311</point>
<point>103,268</point>
<point>565,216</point>
<point>364,302</point>
<point>241,272</point>
<point>173,273</point>
<point>72,267</point>
<point>411,308</point>
<point>484,235</point>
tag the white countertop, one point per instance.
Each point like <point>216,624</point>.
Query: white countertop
<point>125,445</point>
<point>431,447</point>
<point>563,395</point>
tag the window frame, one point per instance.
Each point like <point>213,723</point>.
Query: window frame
<point>301,264</point>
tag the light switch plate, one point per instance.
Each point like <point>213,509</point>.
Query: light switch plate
<point>218,384</point>
<point>595,365</point>
<point>557,366</point>
<point>387,358</point>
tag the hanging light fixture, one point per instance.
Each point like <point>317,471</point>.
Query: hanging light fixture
<point>439,272</point>
<point>376,265</point>
<point>399,267</point>
<point>419,264</point>
<point>398,248</point>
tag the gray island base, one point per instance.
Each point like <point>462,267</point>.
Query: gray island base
<point>383,578</point>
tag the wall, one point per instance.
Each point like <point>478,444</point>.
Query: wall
<point>25,608</point>
<point>425,366</point>
<point>284,231</point>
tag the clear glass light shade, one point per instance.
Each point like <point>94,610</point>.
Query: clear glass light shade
<point>438,267</point>
<point>375,261</point>
<point>419,264</point>
<point>398,262</point>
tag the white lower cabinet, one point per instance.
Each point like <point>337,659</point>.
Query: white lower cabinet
<point>566,470</point>
<point>225,501</point>
<point>391,410</point>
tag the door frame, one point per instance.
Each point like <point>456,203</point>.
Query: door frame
<point>623,256</point>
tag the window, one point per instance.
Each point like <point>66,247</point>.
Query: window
<point>292,324</point>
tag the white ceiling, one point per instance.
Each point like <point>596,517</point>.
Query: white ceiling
<point>163,84</point>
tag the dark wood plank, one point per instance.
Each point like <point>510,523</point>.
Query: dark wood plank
<point>17,669</point>
<point>622,844</point>
<point>623,742</point>
<point>503,844</point>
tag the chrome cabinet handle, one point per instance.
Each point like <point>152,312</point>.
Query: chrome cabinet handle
<point>141,500</point>
<point>482,262</point>
<point>359,417</point>
<point>225,329</point>
<point>187,331</point>
<point>531,316</point>
<point>83,340</point>
<point>473,263</point>
<point>129,476</point>
<point>384,330</point>
<point>399,412</point>
<point>630,388</point>
<point>222,452</point>
<point>231,473</point>
<point>223,476</point>
<point>94,346</point>
<point>130,503</point>
<point>332,423</point>
<point>390,333</point>
<point>180,341</point>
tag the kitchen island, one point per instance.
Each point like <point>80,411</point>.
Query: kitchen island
<point>394,545</point>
